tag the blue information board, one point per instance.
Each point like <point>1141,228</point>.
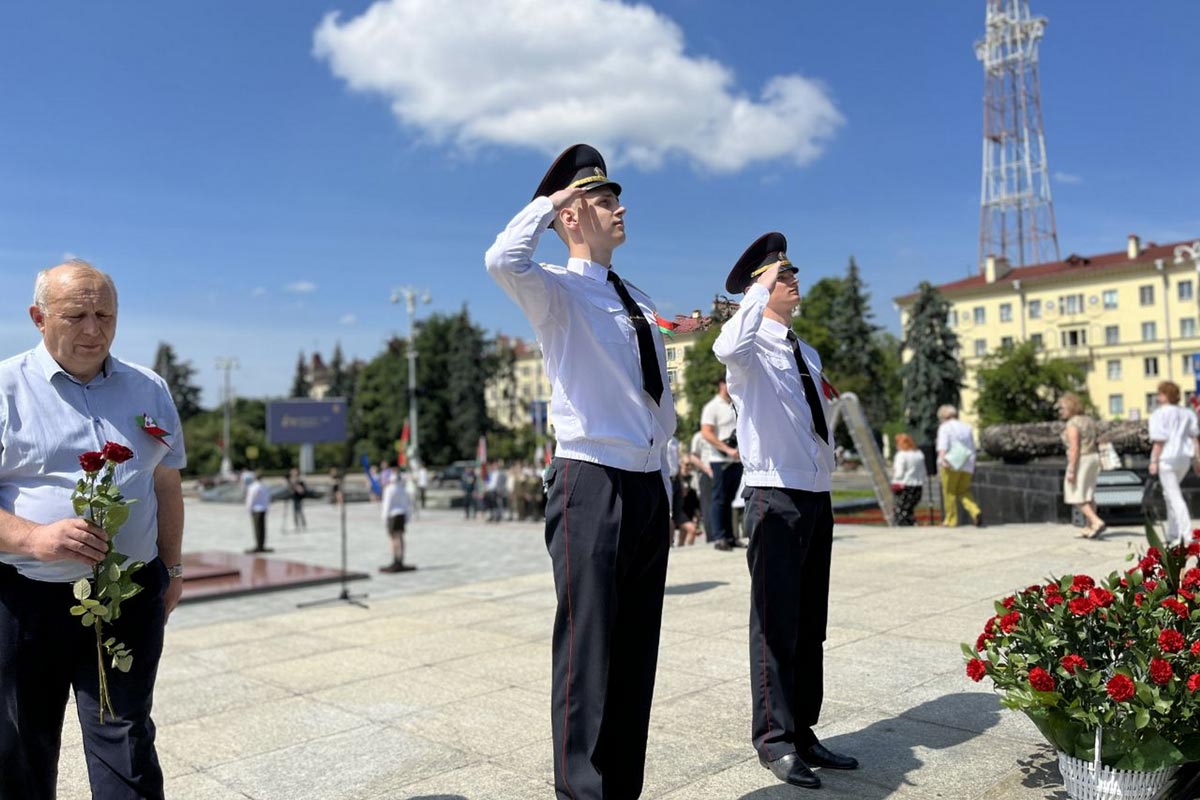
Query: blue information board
<point>306,421</point>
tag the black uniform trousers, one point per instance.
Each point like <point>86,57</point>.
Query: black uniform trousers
<point>608,532</point>
<point>44,652</point>
<point>791,539</point>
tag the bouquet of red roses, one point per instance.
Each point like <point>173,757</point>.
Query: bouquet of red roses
<point>1121,654</point>
<point>98,499</point>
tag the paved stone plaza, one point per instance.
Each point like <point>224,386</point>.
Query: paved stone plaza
<point>440,689</point>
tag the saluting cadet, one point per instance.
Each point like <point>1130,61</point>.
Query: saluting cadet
<point>607,509</point>
<point>786,446</point>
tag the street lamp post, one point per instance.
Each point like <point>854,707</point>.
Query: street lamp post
<point>227,364</point>
<point>410,296</point>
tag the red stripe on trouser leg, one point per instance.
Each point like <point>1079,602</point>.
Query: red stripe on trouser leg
<point>762,631</point>
<point>570,626</point>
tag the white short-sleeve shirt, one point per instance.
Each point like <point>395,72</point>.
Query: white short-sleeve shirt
<point>1176,428</point>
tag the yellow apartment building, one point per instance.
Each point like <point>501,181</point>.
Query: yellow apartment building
<point>1130,316</point>
<point>509,400</point>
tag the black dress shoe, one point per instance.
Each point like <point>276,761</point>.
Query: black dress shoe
<point>723,546</point>
<point>979,521</point>
<point>790,769</point>
<point>822,757</point>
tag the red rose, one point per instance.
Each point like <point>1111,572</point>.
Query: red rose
<point>1081,606</point>
<point>1082,583</point>
<point>92,462</point>
<point>1073,662</point>
<point>1041,680</point>
<point>982,641</point>
<point>976,669</point>
<point>1180,609</point>
<point>1194,682</point>
<point>1120,688</point>
<point>1009,601</point>
<point>1160,671</point>
<point>1008,623</point>
<point>116,453</point>
<point>1170,641</point>
<point>1195,648</point>
<point>1054,599</point>
<point>1101,597</point>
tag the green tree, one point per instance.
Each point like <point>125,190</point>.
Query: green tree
<point>300,384</point>
<point>1017,385</point>
<point>247,429</point>
<point>178,375</point>
<point>932,375</point>
<point>817,308</point>
<point>701,369</point>
<point>380,403</point>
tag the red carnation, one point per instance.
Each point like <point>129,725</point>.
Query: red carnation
<point>1034,589</point>
<point>1184,593</point>
<point>1008,623</point>
<point>1160,671</point>
<point>982,641</point>
<point>92,462</point>
<point>1194,682</point>
<point>1053,588</point>
<point>1150,585</point>
<point>976,669</point>
<point>1155,553</point>
<point>1138,599</point>
<point>1082,583</point>
<point>1081,606</point>
<point>1195,648</point>
<point>1191,578</point>
<point>990,626</point>
<point>1180,609</point>
<point>1196,533</point>
<point>1041,680</point>
<point>1101,597</point>
<point>1193,549</point>
<point>116,453</point>
<point>1170,641</point>
<point>1009,601</point>
<point>1120,688</point>
<point>1073,662</point>
<point>1054,599</point>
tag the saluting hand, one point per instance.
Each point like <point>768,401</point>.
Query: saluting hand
<point>74,539</point>
<point>768,278</point>
<point>565,197</point>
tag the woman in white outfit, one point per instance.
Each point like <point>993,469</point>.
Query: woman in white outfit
<point>908,478</point>
<point>1173,431</point>
<point>1083,463</point>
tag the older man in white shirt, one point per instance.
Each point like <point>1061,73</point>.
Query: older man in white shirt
<point>786,447</point>
<point>65,397</point>
<point>608,509</point>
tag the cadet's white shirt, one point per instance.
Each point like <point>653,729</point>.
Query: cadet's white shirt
<point>776,440</point>
<point>395,500</point>
<point>258,497</point>
<point>601,412</point>
<point>1176,428</point>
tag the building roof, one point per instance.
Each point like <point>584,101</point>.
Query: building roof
<point>1079,265</point>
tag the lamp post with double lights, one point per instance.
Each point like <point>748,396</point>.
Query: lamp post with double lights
<point>227,364</point>
<point>410,297</point>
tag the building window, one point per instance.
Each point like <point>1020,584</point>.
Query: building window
<point>980,315</point>
<point>1112,334</point>
<point>1149,331</point>
<point>1146,295</point>
<point>1150,366</point>
<point>1187,327</point>
<point>1151,402</point>
<point>1075,337</point>
<point>1006,312</point>
<point>981,347</point>
<point>1114,369</point>
<point>1116,405</point>
<point>1035,309</point>
<point>670,354</point>
<point>672,376</point>
<point>952,318</point>
<point>1185,290</point>
<point>1187,364</point>
<point>1070,304</point>
<point>1006,342</point>
<point>1110,298</point>
<point>1038,343</point>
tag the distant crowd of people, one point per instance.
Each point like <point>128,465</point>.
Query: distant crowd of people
<point>501,491</point>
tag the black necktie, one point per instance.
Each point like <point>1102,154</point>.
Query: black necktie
<point>810,389</point>
<point>651,378</point>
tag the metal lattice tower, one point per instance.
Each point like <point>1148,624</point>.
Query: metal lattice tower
<point>1016,219</point>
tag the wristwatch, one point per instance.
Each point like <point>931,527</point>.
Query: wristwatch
<point>175,571</point>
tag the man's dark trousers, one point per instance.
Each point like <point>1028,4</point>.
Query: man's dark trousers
<point>44,652</point>
<point>727,475</point>
<point>791,539</point>
<point>608,533</point>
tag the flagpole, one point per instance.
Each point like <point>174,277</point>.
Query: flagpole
<point>410,296</point>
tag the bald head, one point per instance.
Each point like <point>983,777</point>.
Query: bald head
<point>51,277</point>
<point>75,308</point>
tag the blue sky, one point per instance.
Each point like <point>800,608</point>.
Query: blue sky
<point>257,180</point>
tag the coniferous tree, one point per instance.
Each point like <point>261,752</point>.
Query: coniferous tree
<point>300,383</point>
<point>932,375</point>
<point>178,375</point>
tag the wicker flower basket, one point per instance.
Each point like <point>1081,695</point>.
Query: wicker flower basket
<point>1091,780</point>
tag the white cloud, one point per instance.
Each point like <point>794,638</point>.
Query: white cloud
<point>1067,177</point>
<point>258,291</point>
<point>513,73</point>
<point>301,287</point>
<point>348,319</point>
